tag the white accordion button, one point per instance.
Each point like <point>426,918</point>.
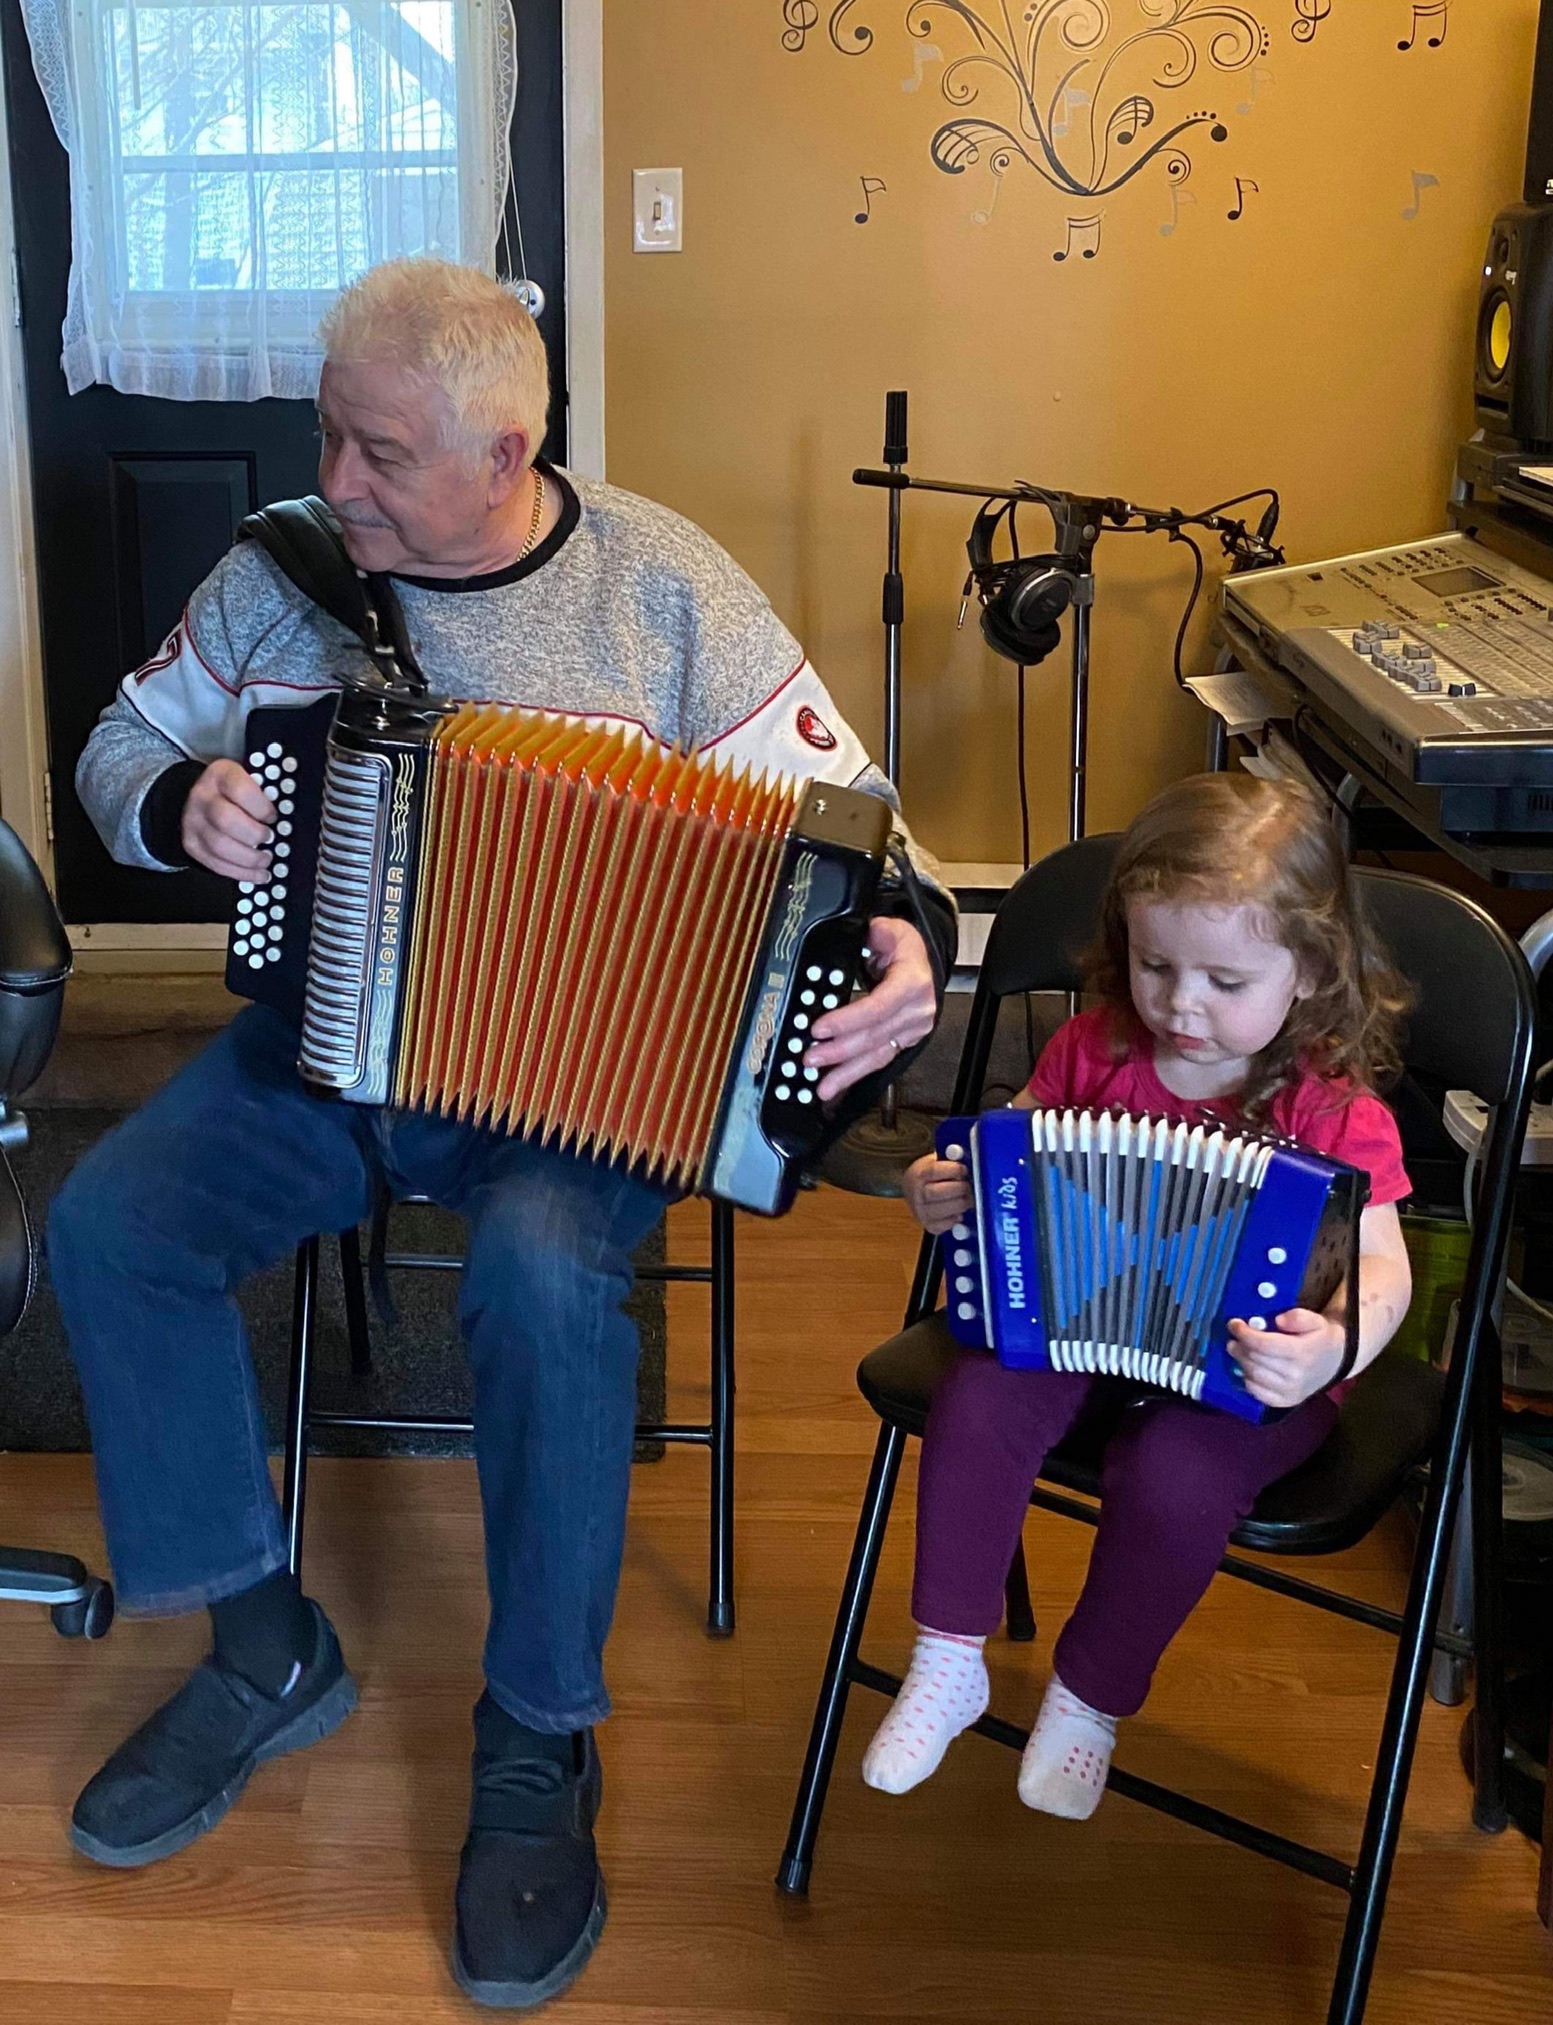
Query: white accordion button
<point>245,906</point>
<point>814,973</point>
<point>964,1286</point>
<point>811,1075</point>
<point>795,1047</point>
<point>272,750</point>
<point>966,1312</point>
<point>829,1000</point>
<point>288,764</point>
<point>955,1153</point>
<point>806,1096</point>
<point>245,885</point>
<point>239,949</point>
<point>1267,1290</point>
<point>838,977</point>
<point>272,956</point>
<point>800,1020</point>
<point>255,761</point>
<point>283,850</point>
<point>256,962</point>
<point>283,828</point>
<point>788,1069</point>
<point>962,1258</point>
<point>1277,1256</point>
<point>806,998</point>
<point>1256,1322</point>
<point>960,1233</point>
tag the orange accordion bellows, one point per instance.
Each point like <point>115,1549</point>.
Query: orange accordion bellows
<point>560,929</point>
<point>589,997</point>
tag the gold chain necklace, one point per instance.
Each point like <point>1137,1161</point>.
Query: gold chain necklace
<point>539,513</point>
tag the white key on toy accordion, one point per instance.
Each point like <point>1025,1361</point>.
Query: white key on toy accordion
<point>1119,1245</point>
<point>557,929</point>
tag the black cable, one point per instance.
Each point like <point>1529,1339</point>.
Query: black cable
<point>1176,534</point>
<point>1024,849</point>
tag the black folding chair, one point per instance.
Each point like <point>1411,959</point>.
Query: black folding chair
<point>714,1434</point>
<point>1473,1028</point>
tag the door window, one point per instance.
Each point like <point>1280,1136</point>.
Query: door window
<point>233,163</point>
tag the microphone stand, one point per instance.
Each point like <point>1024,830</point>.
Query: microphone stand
<point>871,1158</point>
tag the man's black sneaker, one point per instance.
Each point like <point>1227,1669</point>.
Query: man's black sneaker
<point>182,1769</point>
<point>530,1905</point>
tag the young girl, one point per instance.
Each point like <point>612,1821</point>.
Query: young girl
<point>1238,984</point>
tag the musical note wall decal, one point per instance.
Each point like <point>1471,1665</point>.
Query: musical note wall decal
<point>1421,182</point>
<point>1178,197</point>
<point>1072,102</point>
<point>924,54</point>
<point>1436,11</point>
<point>872,186</point>
<point>982,215</point>
<point>1055,97</point>
<point>1259,76</point>
<point>1309,16</point>
<point>1242,184</point>
<point>1083,238</point>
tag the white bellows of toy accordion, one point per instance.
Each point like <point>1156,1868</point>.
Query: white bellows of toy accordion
<point>1139,1223</point>
<point>588,910</point>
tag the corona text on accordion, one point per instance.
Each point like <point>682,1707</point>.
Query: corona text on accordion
<point>555,928</point>
<point>1100,1242</point>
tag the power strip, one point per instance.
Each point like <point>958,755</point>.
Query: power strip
<point>1466,1120</point>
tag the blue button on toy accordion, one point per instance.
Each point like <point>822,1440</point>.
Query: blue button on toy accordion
<point>1104,1243</point>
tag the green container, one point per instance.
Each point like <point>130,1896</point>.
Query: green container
<point>1437,1247</point>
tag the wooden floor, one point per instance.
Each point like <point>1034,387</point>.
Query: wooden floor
<point>326,1893</point>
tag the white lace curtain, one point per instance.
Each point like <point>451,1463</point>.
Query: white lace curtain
<point>234,163</point>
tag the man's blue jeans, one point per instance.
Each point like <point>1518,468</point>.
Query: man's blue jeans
<point>222,1174</point>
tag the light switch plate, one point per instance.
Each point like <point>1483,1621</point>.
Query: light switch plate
<point>657,206</point>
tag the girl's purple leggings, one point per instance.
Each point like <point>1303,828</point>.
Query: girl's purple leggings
<point>1177,1480</point>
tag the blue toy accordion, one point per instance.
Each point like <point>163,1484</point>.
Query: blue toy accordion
<point>1105,1243</point>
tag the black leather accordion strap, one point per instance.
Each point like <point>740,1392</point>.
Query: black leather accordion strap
<point>302,538</point>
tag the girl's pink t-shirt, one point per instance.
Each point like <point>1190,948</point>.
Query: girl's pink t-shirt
<point>1078,1067</point>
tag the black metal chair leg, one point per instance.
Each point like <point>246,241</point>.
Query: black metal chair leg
<point>1489,1811</point>
<point>357,1331</point>
<point>1399,1731</point>
<point>304,1309</point>
<point>798,1856</point>
<point>1018,1614</point>
<point>719,1608</point>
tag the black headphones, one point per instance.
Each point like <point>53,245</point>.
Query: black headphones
<point>1022,599</point>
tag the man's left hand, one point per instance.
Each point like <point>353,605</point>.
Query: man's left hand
<point>858,1039</point>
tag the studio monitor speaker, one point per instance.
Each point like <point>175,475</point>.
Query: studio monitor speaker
<point>1513,366</point>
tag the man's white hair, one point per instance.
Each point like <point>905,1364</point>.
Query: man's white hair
<point>456,328</point>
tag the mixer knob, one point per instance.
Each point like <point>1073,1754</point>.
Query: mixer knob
<point>1362,643</point>
<point>1414,652</point>
<point>1463,689</point>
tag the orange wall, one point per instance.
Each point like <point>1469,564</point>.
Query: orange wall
<point>1322,343</point>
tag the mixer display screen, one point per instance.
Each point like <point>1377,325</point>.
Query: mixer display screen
<point>1456,583</point>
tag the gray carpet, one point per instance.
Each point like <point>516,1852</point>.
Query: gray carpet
<point>418,1360</point>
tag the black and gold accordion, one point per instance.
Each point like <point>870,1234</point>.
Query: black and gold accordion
<point>552,928</point>
<point>1122,1246</point>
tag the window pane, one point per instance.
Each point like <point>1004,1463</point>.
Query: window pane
<point>264,146</point>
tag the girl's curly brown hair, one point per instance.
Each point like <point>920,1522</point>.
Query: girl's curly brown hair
<point>1233,839</point>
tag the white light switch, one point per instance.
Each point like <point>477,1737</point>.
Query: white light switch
<point>657,202</point>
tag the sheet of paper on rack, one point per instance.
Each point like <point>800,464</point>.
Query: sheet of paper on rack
<point>1245,702</point>
<point>1539,474</point>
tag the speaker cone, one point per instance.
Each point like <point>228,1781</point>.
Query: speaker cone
<point>1496,331</point>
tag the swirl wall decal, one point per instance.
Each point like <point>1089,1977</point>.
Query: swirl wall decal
<point>1309,15</point>
<point>1062,87</point>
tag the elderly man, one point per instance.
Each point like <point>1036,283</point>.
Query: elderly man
<point>520,583</point>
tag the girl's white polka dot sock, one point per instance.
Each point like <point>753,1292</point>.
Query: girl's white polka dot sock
<point>1064,1767</point>
<point>945,1690</point>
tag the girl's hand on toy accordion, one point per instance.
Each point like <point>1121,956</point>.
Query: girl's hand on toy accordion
<point>1291,1362</point>
<point>226,822</point>
<point>938,1192</point>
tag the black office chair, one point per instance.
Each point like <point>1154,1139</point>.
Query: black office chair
<point>1473,1027</point>
<point>714,1434</point>
<point>34,964</point>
